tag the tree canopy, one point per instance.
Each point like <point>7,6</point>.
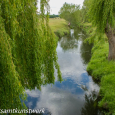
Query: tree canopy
<point>84,10</point>
<point>71,13</point>
<point>27,50</point>
<point>102,12</point>
<point>102,16</point>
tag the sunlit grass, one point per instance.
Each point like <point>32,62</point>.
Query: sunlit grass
<point>103,71</point>
<point>59,26</point>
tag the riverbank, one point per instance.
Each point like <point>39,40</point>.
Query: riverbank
<point>102,70</point>
<point>59,26</point>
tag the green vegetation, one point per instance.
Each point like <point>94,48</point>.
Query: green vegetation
<point>102,15</point>
<point>59,26</point>
<point>84,11</point>
<point>53,16</point>
<point>102,70</point>
<point>71,13</point>
<point>97,17</point>
<point>98,21</point>
<point>27,51</point>
<point>28,47</point>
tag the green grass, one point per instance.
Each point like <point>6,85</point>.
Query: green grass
<point>103,71</point>
<point>59,26</point>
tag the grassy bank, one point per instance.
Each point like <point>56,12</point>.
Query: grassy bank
<point>59,26</point>
<point>102,70</point>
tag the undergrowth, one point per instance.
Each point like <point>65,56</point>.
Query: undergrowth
<point>102,70</point>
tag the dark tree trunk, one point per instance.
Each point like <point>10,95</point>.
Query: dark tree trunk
<point>111,39</point>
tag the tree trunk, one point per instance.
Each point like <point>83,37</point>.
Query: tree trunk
<point>111,39</point>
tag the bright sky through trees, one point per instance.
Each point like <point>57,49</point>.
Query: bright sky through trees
<point>55,5</point>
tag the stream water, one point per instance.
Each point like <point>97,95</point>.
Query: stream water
<point>77,93</point>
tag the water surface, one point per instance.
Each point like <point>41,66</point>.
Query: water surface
<point>71,95</point>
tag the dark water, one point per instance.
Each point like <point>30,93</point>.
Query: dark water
<point>77,93</point>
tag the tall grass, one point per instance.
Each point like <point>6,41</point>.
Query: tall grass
<point>59,26</point>
<point>102,70</point>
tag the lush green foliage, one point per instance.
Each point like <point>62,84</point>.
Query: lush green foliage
<point>101,69</point>
<point>102,12</point>
<point>84,11</point>
<point>27,48</point>
<point>102,16</point>
<point>71,13</point>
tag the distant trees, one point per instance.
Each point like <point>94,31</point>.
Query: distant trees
<point>53,16</point>
<point>84,10</point>
<point>101,13</point>
<point>71,13</point>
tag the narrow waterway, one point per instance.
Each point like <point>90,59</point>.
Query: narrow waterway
<point>76,94</point>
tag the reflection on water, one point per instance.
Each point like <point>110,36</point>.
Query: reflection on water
<point>67,97</point>
<point>68,42</point>
<point>91,105</point>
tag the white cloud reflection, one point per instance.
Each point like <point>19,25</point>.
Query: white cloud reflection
<point>66,98</point>
<point>58,101</point>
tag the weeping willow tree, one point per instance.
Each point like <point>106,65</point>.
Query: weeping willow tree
<point>102,15</point>
<point>27,50</point>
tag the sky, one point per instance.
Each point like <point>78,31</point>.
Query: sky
<point>55,5</point>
